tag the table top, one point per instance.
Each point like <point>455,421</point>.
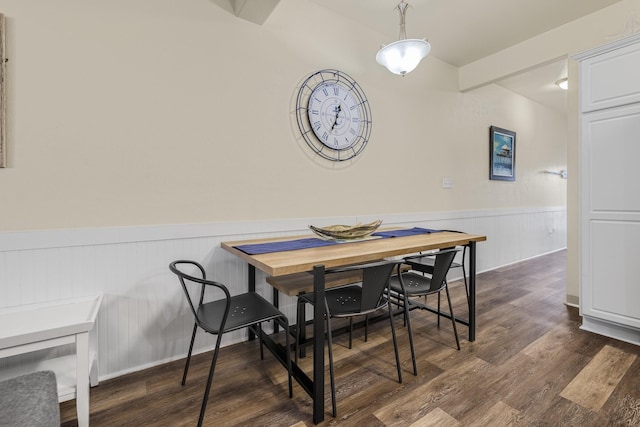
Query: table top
<point>296,261</point>
<point>36,322</point>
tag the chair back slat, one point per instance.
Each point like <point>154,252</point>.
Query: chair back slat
<point>375,280</point>
<point>193,285</point>
<point>441,267</point>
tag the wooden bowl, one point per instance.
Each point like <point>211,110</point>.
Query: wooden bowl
<point>346,232</point>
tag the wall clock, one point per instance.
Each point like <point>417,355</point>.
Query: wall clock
<point>333,115</point>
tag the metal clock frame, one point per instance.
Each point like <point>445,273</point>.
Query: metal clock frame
<point>304,125</point>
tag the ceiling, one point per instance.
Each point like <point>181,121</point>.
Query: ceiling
<point>460,31</point>
<point>463,31</point>
<point>539,85</point>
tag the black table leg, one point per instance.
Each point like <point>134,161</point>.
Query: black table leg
<point>276,302</point>
<point>318,344</point>
<point>472,291</point>
<point>302,330</point>
<point>252,288</point>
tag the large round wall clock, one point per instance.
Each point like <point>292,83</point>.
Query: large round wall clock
<point>333,115</point>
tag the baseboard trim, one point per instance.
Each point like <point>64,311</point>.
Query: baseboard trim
<point>611,330</point>
<point>572,301</point>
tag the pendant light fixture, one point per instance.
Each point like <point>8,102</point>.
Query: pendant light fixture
<point>563,83</point>
<point>404,55</point>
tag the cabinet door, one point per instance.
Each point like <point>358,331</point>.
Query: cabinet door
<point>610,215</point>
<point>610,79</point>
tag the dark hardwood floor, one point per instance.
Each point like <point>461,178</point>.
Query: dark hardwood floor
<point>530,366</point>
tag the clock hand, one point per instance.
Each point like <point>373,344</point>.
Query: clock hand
<point>335,122</point>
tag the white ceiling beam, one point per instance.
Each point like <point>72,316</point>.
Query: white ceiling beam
<point>256,11</point>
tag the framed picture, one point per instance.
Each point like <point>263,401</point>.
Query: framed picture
<point>502,154</point>
<point>3,101</point>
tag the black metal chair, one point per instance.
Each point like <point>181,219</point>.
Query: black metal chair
<point>426,263</point>
<point>410,284</point>
<point>227,314</point>
<point>361,299</point>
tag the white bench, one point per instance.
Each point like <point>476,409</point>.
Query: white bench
<point>29,328</point>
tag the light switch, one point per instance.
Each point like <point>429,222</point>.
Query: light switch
<point>447,182</point>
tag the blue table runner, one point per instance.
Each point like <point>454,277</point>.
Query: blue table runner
<point>313,242</point>
<point>286,245</point>
<point>404,232</point>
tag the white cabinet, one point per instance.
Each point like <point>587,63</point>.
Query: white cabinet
<point>609,76</point>
<point>609,153</point>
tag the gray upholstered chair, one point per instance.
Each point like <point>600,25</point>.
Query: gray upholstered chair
<point>30,400</point>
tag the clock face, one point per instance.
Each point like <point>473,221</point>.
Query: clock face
<point>333,115</point>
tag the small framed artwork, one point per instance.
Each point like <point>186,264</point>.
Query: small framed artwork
<point>502,154</point>
<point>3,101</point>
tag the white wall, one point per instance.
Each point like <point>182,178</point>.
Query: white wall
<point>141,112</point>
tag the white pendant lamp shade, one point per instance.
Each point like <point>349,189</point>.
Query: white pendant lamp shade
<point>403,56</point>
<point>563,83</point>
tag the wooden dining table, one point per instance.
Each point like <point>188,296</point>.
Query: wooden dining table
<point>282,266</point>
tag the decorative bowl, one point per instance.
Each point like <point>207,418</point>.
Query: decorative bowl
<point>346,232</point>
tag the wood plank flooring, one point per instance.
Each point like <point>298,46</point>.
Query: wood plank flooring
<point>529,366</point>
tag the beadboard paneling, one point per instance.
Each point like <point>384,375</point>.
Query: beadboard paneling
<point>144,319</point>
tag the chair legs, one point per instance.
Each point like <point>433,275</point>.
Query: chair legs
<point>407,321</point>
<point>366,327</point>
<point>285,325</point>
<point>393,334</point>
<point>299,327</point>
<point>331,371</point>
<point>366,330</point>
<point>283,322</point>
<point>464,272</point>
<point>186,366</point>
<point>453,319</point>
<point>209,380</point>
<point>330,350</point>
<point>351,332</point>
<point>330,346</point>
<point>404,301</point>
<point>466,287</point>
<point>259,334</point>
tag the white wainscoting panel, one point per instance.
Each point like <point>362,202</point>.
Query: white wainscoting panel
<point>144,319</point>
